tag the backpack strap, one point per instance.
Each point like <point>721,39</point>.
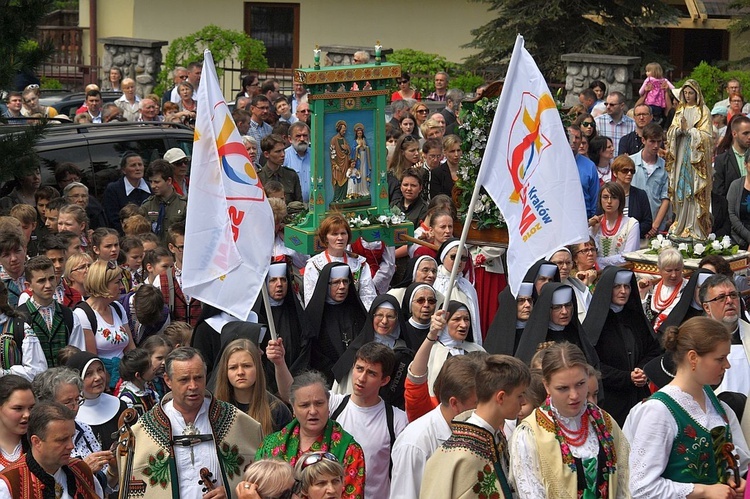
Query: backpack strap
<point>90,315</point>
<point>341,407</point>
<point>67,315</point>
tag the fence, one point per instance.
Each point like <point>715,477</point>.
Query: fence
<point>231,73</point>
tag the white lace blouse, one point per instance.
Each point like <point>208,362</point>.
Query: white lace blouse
<point>651,429</point>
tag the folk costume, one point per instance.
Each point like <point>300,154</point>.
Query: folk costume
<point>661,301</point>
<point>393,392</point>
<point>463,290</point>
<point>569,457</point>
<point>361,275</point>
<point>540,328</point>
<point>169,453</point>
<point>26,479</point>
<point>687,307</point>
<point>447,346</point>
<point>675,444</point>
<point>334,325</point>
<point>505,333</point>
<point>285,444</point>
<point>472,463</point>
<point>141,399</point>
<point>623,340</point>
<point>52,325</point>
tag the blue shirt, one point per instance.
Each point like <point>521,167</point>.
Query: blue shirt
<point>259,132</point>
<point>301,165</point>
<point>589,183</point>
<point>656,185</point>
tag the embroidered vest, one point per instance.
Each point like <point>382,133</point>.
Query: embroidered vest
<point>179,309</point>
<point>51,341</point>
<point>696,451</point>
<point>373,256</point>
<point>22,484</point>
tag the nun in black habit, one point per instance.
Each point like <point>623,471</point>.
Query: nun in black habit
<point>688,306</point>
<point>391,333</point>
<point>417,307</point>
<point>542,272</point>
<point>291,322</point>
<point>623,338</point>
<point>555,318</point>
<point>336,316</point>
<point>420,269</point>
<point>505,332</point>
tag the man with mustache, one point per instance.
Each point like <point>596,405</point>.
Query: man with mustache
<point>721,301</point>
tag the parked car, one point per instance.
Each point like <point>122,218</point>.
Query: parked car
<point>97,148</point>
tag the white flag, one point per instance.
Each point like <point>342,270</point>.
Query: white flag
<point>529,170</point>
<point>229,229</point>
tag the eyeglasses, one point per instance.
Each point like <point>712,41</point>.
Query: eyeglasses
<point>524,299</point>
<point>304,111</point>
<point>387,317</point>
<point>181,247</point>
<point>562,305</point>
<point>401,82</point>
<point>642,115</point>
<point>85,266</point>
<point>463,257</point>
<point>317,457</point>
<point>587,123</point>
<point>77,401</point>
<point>587,251</point>
<point>428,271</point>
<point>734,295</point>
<point>423,111</point>
<point>612,104</point>
<point>183,77</point>
<point>335,283</point>
<point>628,170</point>
<point>421,300</point>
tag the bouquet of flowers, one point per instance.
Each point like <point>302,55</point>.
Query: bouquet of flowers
<point>698,250</point>
<point>394,216</point>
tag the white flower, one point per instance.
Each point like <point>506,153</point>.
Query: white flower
<point>396,219</point>
<point>726,243</point>
<point>660,238</point>
<point>712,237</point>
<point>666,243</point>
<point>682,247</point>
<point>655,244</point>
<point>716,245</point>
<point>478,207</point>
<point>698,249</point>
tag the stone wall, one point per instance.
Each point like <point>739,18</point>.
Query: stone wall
<point>615,71</point>
<point>137,58</point>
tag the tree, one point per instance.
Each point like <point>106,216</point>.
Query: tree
<point>223,44</point>
<point>740,23</point>
<point>20,53</point>
<point>555,27</point>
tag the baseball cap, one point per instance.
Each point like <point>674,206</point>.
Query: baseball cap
<point>174,155</point>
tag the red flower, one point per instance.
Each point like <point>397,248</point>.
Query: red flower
<point>476,488</point>
<point>681,449</point>
<point>495,495</point>
<point>690,432</point>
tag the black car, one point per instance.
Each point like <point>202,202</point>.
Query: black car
<point>68,103</point>
<point>97,148</point>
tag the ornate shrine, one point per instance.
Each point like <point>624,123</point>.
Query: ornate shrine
<point>348,162</point>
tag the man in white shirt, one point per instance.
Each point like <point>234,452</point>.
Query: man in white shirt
<point>423,436</point>
<point>721,302</point>
<point>366,417</point>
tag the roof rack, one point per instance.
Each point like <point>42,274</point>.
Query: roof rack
<point>86,127</point>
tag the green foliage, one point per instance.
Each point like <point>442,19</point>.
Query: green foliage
<point>552,28</point>
<point>223,43</point>
<point>468,82</point>
<point>422,67</point>
<point>713,81</point>
<point>50,83</point>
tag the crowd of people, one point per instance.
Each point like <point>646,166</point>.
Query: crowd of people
<point>381,380</point>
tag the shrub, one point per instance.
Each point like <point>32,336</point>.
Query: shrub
<point>713,81</point>
<point>422,67</point>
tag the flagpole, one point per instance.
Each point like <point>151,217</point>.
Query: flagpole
<point>461,247</point>
<point>269,312</point>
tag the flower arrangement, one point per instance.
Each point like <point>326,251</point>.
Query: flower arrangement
<point>394,216</point>
<point>474,132</point>
<point>697,250</point>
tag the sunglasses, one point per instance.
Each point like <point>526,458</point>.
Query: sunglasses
<point>421,300</point>
<point>587,123</point>
<point>316,457</point>
<point>628,170</point>
<point>423,111</point>
<point>403,81</point>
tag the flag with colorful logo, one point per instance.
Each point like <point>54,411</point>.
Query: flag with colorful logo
<point>229,231</point>
<point>529,170</point>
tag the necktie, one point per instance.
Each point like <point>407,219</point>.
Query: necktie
<point>157,225</point>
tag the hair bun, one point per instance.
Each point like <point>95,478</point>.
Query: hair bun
<point>669,340</point>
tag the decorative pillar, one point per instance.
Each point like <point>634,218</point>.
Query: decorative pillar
<point>137,58</point>
<point>616,71</point>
